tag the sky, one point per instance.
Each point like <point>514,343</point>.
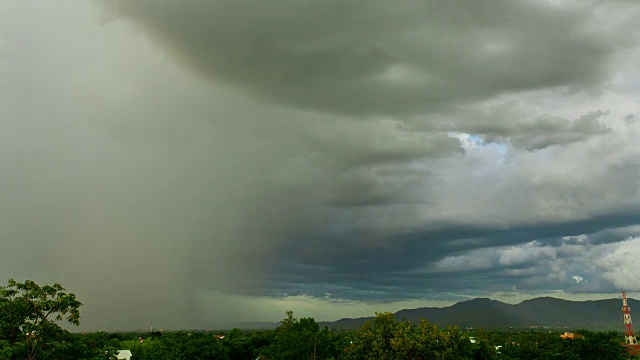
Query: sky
<point>178,164</point>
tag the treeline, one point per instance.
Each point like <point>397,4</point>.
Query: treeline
<point>30,316</point>
<point>382,338</point>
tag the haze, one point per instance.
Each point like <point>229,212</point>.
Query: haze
<point>178,164</point>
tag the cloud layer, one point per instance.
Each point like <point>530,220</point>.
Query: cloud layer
<point>390,59</point>
<point>183,155</point>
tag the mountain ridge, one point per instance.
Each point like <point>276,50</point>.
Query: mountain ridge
<point>537,313</point>
<point>543,312</point>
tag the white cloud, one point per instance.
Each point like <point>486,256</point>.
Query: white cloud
<point>610,266</point>
<point>618,263</point>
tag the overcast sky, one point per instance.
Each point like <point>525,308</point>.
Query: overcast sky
<point>181,163</point>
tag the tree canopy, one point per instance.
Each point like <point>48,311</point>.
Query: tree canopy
<point>30,315</point>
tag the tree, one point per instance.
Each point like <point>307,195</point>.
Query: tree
<point>375,339</point>
<point>29,314</point>
<point>599,346</point>
<point>385,338</point>
<point>301,340</point>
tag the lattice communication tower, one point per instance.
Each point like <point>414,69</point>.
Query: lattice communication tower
<point>630,341</point>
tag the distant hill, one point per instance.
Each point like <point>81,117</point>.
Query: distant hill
<point>543,312</point>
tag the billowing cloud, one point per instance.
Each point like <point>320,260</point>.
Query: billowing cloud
<point>507,123</point>
<point>383,58</point>
<point>210,156</point>
<point>534,265</point>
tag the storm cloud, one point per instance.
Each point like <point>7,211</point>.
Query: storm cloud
<point>381,58</point>
<point>178,164</point>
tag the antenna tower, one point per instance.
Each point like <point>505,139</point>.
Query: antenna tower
<point>630,341</point>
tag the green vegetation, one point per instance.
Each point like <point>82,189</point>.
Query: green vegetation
<point>29,316</point>
<point>382,338</point>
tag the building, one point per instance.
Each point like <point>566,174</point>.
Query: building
<point>124,354</point>
<point>568,335</point>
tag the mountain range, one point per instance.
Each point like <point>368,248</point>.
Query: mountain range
<point>538,313</point>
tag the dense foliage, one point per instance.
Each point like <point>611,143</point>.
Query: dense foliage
<point>382,338</point>
<point>29,316</point>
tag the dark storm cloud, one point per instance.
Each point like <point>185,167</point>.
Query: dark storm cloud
<point>404,269</point>
<point>550,130</point>
<point>359,207</point>
<point>385,58</point>
<point>353,144</point>
<point>373,151</point>
<point>505,123</point>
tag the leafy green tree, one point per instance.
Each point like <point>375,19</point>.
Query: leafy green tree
<point>374,340</point>
<point>29,315</point>
<point>481,351</point>
<point>239,345</point>
<point>259,343</point>
<point>300,340</point>
<point>456,344</point>
<point>8,351</point>
<point>197,346</point>
<point>385,338</point>
<point>599,346</point>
